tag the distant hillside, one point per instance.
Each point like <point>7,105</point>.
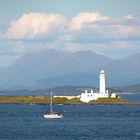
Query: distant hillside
<point>61,90</point>
<point>16,75</point>
<point>124,71</point>
<point>51,68</point>
<point>130,89</point>
<point>67,90</point>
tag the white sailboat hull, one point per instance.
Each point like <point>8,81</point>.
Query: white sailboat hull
<point>53,116</point>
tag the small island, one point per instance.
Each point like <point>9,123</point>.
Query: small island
<point>61,100</point>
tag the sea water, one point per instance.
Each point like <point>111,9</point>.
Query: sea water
<point>134,97</point>
<point>80,122</point>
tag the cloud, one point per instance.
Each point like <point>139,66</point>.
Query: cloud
<point>105,30</point>
<point>85,31</point>
<point>35,25</point>
<point>82,20</point>
<point>129,17</point>
<point>84,27</point>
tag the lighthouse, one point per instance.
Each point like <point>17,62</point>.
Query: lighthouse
<point>103,93</point>
<point>102,82</point>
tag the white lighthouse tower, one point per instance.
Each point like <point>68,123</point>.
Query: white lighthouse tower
<point>102,82</point>
<point>103,93</point>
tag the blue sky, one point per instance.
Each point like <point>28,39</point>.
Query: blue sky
<point>10,10</point>
<point>110,27</point>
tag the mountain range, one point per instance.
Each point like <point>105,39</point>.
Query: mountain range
<point>50,68</point>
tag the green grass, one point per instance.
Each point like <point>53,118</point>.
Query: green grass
<point>36,99</point>
<point>66,101</point>
<point>24,99</point>
<point>110,101</point>
<point>46,100</point>
<point>60,100</point>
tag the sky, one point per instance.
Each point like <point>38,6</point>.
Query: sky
<point>109,27</point>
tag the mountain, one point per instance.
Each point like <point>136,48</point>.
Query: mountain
<point>121,72</point>
<point>50,68</point>
<point>25,66</point>
<point>72,68</point>
<point>124,71</point>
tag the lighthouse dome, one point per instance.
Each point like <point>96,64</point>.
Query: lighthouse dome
<point>102,72</point>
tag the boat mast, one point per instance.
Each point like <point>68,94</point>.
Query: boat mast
<point>51,105</point>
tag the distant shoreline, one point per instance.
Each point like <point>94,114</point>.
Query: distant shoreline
<point>46,100</point>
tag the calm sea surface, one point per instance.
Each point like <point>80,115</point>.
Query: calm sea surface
<point>131,97</point>
<point>80,122</point>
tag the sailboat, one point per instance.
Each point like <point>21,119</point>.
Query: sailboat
<point>52,115</point>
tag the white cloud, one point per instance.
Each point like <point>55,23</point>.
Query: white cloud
<point>104,30</point>
<point>34,25</point>
<point>84,19</point>
<point>84,26</point>
<point>85,31</point>
<point>129,17</point>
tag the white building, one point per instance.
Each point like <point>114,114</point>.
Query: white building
<point>103,93</point>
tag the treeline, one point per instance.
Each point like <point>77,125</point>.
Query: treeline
<point>67,90</point>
